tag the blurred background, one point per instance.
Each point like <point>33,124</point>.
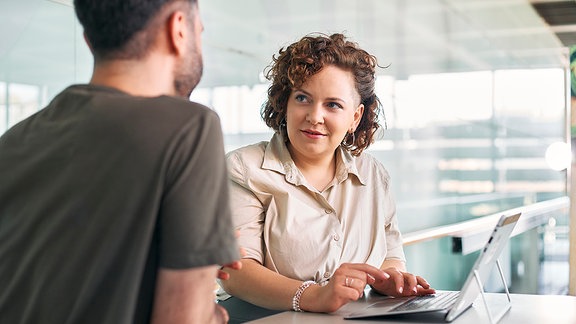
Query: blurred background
<point>475,94</point>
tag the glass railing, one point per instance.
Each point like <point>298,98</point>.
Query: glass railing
<point>535,261</point>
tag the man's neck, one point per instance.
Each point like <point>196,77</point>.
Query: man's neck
<point>136,77</point>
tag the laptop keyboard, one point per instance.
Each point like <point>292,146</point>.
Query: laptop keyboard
<point>439,301</point>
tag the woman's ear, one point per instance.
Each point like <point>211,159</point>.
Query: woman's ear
<point>358,115</point>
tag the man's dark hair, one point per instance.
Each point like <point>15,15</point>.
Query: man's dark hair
<point>111,26</point>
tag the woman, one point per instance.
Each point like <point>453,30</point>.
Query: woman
<point>314,212</point>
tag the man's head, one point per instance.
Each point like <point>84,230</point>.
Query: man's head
<point>130,29</point>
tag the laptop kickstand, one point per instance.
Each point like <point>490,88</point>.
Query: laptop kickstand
<point>481,286</point>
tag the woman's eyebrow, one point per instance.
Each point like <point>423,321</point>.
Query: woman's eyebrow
<point>336,99</point>
<point>326,99</point>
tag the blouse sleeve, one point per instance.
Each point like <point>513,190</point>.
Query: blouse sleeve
<point>247,210</point>
<point>394,239</point>
<point>395,250</point>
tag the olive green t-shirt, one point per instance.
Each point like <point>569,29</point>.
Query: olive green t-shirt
<point>99,190</point>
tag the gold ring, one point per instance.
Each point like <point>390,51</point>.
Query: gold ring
<point>348,282</point>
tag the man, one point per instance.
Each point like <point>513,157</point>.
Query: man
<point>113,199</point>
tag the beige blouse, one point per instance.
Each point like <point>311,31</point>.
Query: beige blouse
<point>294,229</point>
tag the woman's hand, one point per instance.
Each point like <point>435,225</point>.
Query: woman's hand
<point>223,275</point>
<point>402,284</point>
<point>346,284</point>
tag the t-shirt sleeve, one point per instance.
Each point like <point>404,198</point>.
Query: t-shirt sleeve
<point>195,226</point>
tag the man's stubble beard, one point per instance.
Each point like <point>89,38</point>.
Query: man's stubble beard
<point>188,73</point>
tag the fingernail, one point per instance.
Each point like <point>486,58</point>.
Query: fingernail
<point>400,290</point>
<point>414,290</point>
<point>387,276</point>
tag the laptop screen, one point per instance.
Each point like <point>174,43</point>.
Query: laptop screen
<point>484,264</point>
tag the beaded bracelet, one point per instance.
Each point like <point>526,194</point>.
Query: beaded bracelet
<point>298,294</point>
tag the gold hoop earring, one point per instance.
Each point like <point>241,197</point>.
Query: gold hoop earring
<point>347,141</point>
<point>282,128</point>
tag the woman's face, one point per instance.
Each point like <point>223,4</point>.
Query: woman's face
<point>321,112</point>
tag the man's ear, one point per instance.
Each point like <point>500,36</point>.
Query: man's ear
<point>178,32</point>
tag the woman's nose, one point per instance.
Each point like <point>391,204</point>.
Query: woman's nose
<point>315,115</point>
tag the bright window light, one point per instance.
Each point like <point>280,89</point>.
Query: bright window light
<point>558,156</point>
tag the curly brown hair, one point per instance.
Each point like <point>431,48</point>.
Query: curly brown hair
<point>296,63</point>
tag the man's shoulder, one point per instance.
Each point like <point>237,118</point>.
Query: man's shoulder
<point>186,105</point>
<point>137,118</point>
<point>101,96</point>
<point>180,110</point>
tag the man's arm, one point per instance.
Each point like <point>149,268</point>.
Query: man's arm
<point>187,296</point>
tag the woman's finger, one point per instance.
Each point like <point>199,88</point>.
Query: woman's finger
<point>398,279</point>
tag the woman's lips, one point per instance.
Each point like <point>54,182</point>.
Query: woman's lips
<point>312,134</point>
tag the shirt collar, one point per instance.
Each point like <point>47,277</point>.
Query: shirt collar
<point>346,165</point>
<point>277,158</point>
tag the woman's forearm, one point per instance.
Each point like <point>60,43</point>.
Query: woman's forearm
<point>261,286</point>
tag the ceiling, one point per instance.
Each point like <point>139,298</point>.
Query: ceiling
<point>560,16</point>
<point>41,42</point>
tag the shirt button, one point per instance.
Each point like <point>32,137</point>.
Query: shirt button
<point>336,237</point>
<point>326,274</point>
<point>328,211</point>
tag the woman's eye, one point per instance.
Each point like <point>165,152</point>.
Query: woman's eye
<point>334,105</point>
<point>300,98</point>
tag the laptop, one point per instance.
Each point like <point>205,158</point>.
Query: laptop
<point>453,303</point>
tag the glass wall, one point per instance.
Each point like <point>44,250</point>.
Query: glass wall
<point>471,108</point>
<point>42,51</point>
<point>458,146</point>
<point>476,141</point>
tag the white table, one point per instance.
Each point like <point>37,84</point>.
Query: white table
<point>526,309</point>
